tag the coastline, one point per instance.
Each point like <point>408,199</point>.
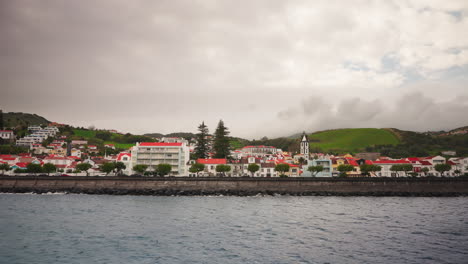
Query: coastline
<point>185,186</point>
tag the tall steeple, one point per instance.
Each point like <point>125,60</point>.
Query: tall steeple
<point>305,145</point>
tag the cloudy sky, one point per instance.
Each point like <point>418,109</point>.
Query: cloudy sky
<point>265,67</point>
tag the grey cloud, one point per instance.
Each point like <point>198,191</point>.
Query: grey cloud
<point>412,111</point>
<point>162,66</point>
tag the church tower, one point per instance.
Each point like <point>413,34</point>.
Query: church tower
<point>305,146</point>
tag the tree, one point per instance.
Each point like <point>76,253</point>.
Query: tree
<point>223,168</point>
<point>202,146</point>
<point>221,144</point>
<point>425,170</point>
<point>48,168</point>
<point>107,167</point>
<point>406,168</point>
<point>140,168</point>
<point>104,135</point>
<point>196,168</point>
<point>282,168</point>
<point>163,169</point>
<point>396,168</point>
<point>33,168</point>
<point>302,160</point>
<point>84,167</point>
<point>4,167</point>
<point>315,169</point>
<point>119,167</point>
<point>366,169</point>
<point>344,168</point>
<point>457,172</point>
<point>252,168</point>
<point>441,168</point>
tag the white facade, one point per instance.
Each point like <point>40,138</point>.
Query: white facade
<point>305,146</point>
<point>7,134</point>
<point>154,153</point>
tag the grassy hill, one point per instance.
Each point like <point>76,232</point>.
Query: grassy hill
<point>13,119</point>
<point>98,137</point>
<point>351,139</point>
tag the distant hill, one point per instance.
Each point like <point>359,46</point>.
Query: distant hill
<point>186,135</point>
<point>351,139</point>
<point>13,119</point>
<point>390,142</point>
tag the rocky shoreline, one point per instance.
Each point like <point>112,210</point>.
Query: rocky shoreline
<point>171,192</point>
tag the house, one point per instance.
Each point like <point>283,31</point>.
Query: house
<point>154,153</point>
<point>60,162</point>
<point>325,163</point>
<point>111,146</point>
<point>126,159</point>
<point>210,166</point>
<point>387,164</point>
<point>258,150</point>
<point>267,170</point>
<point>79,142</point>
<point>7,135</point>
<point>92,147</point>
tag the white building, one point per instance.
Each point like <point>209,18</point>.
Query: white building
<point>154,153</point>
<point>7,135</point>
<point>258,151</point>
<point>305,146</point>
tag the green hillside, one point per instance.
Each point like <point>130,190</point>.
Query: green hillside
<point>13,119</point>
<point>101,137</point>
<point>351,139</point>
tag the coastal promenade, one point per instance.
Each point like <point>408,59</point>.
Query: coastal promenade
<point>238,186</point>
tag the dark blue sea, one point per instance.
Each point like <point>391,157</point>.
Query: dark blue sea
<point>72,228</point>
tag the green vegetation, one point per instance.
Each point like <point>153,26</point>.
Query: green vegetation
<point>223,168</point>
<point>84,167</point>
<point>253,168</point>
<point>140,168</point>
<point>48,168</point>
<point>442,168</point>
<point>366,169</point>
<point>107,167</point>
<point>4,167</point>
<point>13,120</point>
<point>315,170</point>
<point>196,168</point>
<point>351,140</point>
<point>202,147</point>
<point>282,168</point>
<point>163,169</point>
<point>221,145</point>
<point>344,168</point>
<point>102,137</point>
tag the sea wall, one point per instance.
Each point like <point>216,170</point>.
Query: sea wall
<point>238,186</point>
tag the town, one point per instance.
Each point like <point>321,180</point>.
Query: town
<point>50,152</point>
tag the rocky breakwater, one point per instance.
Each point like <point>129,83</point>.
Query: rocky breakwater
<point>238,186</point>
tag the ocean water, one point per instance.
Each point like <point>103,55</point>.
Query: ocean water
<point>76,228</point>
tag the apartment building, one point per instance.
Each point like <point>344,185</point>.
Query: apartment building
<point>154,153</point>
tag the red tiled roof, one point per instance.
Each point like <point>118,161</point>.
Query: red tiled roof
<point>413,159</point>
<point>212,161</point>
<point>22,164</point>
<point>159,144</point>
<point>391,162</point>
<point>119,157</point>
<point>6,131</point>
